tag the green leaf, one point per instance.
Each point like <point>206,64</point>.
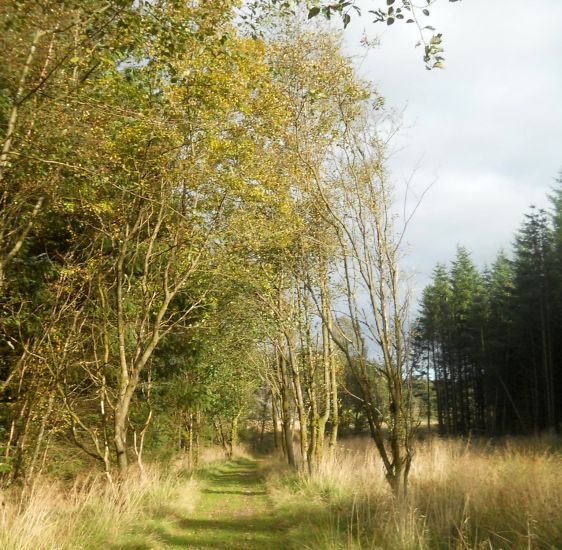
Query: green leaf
<point>313,12</point>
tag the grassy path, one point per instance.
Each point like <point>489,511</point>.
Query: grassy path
<point>234,513</point>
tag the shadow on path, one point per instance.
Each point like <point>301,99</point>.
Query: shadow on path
<point>234,514</point>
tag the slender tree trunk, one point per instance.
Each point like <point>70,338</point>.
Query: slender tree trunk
<point>197,429</point>
<point>299,402</point>
<point>285,414</point>
<point>334,403</point>
<point>40,436</point>
<point>329,364</point>
<point>13,117</point>
<point>277,443</point>
<point>233,435</point>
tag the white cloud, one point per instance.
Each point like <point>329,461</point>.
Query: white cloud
<point>489,125</point>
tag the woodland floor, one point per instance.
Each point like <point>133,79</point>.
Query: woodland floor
<point>234,512</point>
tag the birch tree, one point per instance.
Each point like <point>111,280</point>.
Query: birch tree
<point>358,200</point>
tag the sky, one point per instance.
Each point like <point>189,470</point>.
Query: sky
<point>485,132</point>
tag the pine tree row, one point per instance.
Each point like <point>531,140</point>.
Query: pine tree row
<point>489,339</point>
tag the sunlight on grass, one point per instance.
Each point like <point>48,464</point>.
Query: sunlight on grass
<point>90,513</point>
<point>462,495</point>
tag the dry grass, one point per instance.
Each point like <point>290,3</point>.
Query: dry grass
<point>215,454</point>
<point>89,513</point>
<point>462,496</point>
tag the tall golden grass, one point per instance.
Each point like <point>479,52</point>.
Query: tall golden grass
<point>90,513</point>
<point>461,496</point>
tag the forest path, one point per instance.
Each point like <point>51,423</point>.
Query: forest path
<point>234,513</point>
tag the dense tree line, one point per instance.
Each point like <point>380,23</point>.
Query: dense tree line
<point>192,214</point>
<point>490,338</point>
<point>126,176</point>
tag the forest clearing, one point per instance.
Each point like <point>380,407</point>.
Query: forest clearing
<point>210,334</point>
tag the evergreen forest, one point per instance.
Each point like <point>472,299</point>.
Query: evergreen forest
<point>489,339</point>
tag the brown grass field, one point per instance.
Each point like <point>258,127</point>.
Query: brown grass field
<point>462,495</point>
